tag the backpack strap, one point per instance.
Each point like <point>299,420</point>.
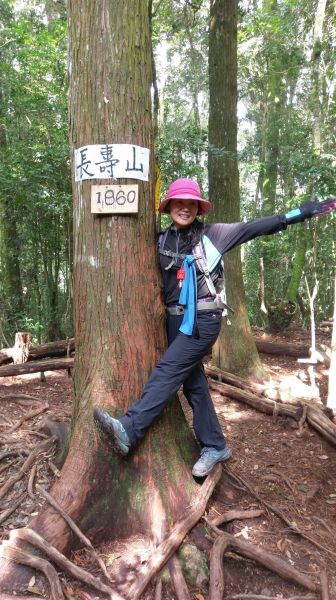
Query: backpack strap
<point>173,255</point>
<point>207,257</point>
<point>201,262</point>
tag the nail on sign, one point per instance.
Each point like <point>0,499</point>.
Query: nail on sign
<point>114,199</point>
<point>111,161</point>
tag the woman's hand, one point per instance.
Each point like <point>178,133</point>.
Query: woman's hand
<point>311,208</point>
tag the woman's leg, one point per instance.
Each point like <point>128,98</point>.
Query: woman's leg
<point>205,422</point>
<point>178,362</point>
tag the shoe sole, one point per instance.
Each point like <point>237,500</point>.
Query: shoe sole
<point>224,459</point>
<point>108,431</point>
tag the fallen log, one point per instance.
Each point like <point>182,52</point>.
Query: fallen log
<point>6,355</point>
<point>36,366</point>
<point>239,382</point>
<point>315,416</point>
<point>287,349</point>
<point>260,403</point>
<point>294,350</point>
<point>320,421</point>
<point>50,349</point>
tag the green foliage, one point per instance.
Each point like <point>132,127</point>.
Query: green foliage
<point>35,187</point>
<point>281,164</point>
<point>180,47</point>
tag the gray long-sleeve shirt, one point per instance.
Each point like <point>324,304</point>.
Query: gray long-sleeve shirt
<point>224,236</point>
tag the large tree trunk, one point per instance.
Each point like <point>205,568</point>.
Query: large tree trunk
<point>235,350</point>
<point>273,107</point>
<point>118,312</point>
<point>316,74</point>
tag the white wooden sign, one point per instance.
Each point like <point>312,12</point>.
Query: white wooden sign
<point>114,199</point>
<point>111,161</point>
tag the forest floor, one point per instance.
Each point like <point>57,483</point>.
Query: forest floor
<point>292,469</point>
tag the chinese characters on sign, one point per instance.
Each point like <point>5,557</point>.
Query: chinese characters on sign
<point>111,161</point>
<point>117,199</point>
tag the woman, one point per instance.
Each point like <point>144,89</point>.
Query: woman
<point>194,312</point>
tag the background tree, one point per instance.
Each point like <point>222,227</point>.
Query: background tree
<point>235,350</point>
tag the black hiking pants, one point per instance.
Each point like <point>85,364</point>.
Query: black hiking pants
<point>181,365</point>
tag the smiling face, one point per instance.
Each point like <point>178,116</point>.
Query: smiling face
<point>183,212</point>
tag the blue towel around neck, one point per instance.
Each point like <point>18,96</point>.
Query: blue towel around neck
<point>188,296</point>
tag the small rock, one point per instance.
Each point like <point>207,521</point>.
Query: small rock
<point>194,565</point>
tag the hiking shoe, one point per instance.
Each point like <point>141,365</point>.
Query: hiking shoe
<point>208,459</point>
<point>114,430</point>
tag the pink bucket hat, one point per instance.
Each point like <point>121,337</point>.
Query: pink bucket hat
<point>185,189</point>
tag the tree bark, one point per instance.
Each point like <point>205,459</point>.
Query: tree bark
<point>316,66</point>
<point>118,311</point>
<point>270,127</point>
<point>235,350</point>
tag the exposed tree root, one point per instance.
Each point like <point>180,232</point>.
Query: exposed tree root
<point>166,549</point>
<point>87,543</point>
<point>30,536</point>
<point>14,505</point>
<point>258,597</point>
<point>331,530</point>
<point>7,466</point>
<point>235,515</point>
<point>280,514</point>
<point>30,415</point>
<point>26,465</point>
<point>7,597</point>
<point>53,468</point>
<point>31,482</point>
<point>8,453</point>
<point>177,577</point>
<point>226,542</point>
<point>23,558</point>
<point>324,585</point>
<point>158,589</point>
<point>22,398</point>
